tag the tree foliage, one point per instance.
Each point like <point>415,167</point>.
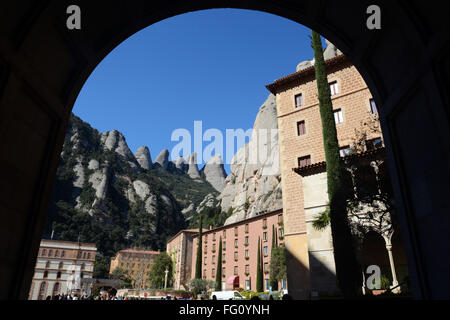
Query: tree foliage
<point>347,268</point>
<point>198,264</point>
<point>122,274</point>
<point>157,272</point>
<point>278,269</point>
<point>259,270</point>
<point>218,285</point>
<point>200,286</point>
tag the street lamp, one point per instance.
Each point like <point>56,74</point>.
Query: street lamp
<point>165,278</point>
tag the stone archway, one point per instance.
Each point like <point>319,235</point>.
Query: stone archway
<point>406,65</point>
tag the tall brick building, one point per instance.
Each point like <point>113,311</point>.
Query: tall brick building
<point>301,145</point>
<point>179,248</point>
<point>239,251</point>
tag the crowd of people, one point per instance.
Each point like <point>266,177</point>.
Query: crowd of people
<point>114,297</point>
<point>69,297</point>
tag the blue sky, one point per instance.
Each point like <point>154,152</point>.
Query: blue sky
<point>210,66</point>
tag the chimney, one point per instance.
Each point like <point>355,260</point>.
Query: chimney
<point>210,227</point>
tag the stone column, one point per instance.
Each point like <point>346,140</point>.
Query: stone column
<point>376,167</point>
<point>391,262</point>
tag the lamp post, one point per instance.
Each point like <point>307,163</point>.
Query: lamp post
<point>165,278</point>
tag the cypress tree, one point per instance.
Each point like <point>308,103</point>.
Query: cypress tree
<point>259,274</point>
<point>274,239</point>
<point>219,268</point>
<point>198,265</point>
<point>347,268</point>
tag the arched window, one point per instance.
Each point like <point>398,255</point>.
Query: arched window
<point>44,252</point>
<point>58,275</point>
<point>82,275</point>
<point>63,253</point>
<point>56,253</point>
<point>82,266</point>
<point>84,255</point>
<point>45,274</point>
<point>47,264</point>
<point>89,255</point>
<point>50,252</point>
<point>42,290</point>
<point>55,289</point>
<point>60,265</point>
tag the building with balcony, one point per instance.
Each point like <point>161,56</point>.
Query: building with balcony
<point>61,267</point>
<point>240,250</point>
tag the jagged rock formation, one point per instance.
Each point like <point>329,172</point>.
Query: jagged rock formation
<point>210,201</point>
<point>192,166</point>
<point>331,51</point>
<point>93,164</point>
<point>114,140</point>
<point>105,194</point>
<point>214,173</point>
<point>162,160</point>
<point>254,185</point>
<point>143,157</point>
<point>182,165</point>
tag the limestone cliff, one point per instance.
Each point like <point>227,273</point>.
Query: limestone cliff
<point>214,173</point>
<point>105,193</point>
<point>254,184</point>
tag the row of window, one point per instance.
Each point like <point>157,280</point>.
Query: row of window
<point>50,253</point>
<point>334,90</point>
<point>299,101</point>
<point>236,270</point>
<point>338,119</point>
<point>246,241</point>
<point>61,265</point>
<point>144,265</point>
<point>344,151</point>
<point>58,275</point>
<point>43,287</point>
<point>246,229</point>
<point>236,255</point>
<point>83,255</point>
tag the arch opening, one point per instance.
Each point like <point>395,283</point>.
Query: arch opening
<point>394,78</point>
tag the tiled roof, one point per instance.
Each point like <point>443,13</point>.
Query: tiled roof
<point>303,73</point>
<point>139,251</point>
<point>321,166</point>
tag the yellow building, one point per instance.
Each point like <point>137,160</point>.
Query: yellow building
<point>136,263</point>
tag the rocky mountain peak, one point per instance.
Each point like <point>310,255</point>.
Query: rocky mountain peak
<point>182,164</point>
<point>215,173</point>
<point>193,168</point>
<point>331,51</point>
<point>144,158</point>
<point>162,160</point>
<point>254,184</point>
<point>115,141</point>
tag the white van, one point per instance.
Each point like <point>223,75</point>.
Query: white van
<point>226,295</point>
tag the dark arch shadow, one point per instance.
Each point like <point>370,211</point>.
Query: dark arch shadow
<point>43,66</point>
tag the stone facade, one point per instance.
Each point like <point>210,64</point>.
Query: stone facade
<point>239,250</point>
<point>179,248</point>
<point>137,263</point>
<point>352,104</point>
<point>60,267</point>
